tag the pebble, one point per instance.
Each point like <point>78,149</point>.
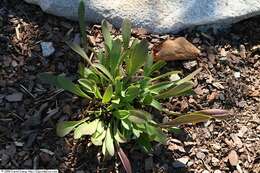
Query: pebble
<point>15,97</point>
<point>233,158</point>
<point>237,74</point>
<point>217,171</point>
<point>216,146</point>
<point>184,160</point>
<point>47,49</point>
<point>242,131</point>
<point>181,162</point>
<point>236,140</point>
<point>190,64</point>
<point>205,171</point>
<point>200,155</point>
<point>215,161</point>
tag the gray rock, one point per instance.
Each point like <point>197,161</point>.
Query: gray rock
<point>162,16</point>
<point>15,97</point>
<point>47,49</point>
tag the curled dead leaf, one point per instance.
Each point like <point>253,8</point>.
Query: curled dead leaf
<point>178,49</point>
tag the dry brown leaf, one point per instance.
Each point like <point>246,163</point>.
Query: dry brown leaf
<point>178,49</point>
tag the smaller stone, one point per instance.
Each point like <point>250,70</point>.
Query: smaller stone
<point>236,140</point>
<point>205,171</point>
<point>223,52</point>
<point>242,131</point>
<point>184,160</point>
<point>15,97</point>
<point>14,63</point>
<point>200,155</point>
<point>190,64</point>
<point>233,158</point>
<point>216,146</point>
<point>217,171</point>
<point>215,161</point>
<point>47,49</point>
<point>237,75</point>
<point>242,51</point>
<point>181,162</point>
<point>196,40</point>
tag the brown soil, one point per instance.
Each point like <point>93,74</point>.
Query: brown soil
<point>29,110</point>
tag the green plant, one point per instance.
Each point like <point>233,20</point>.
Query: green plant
<point>125,86</point>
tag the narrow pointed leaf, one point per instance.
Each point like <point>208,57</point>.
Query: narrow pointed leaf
<point>79,51</point>
<point>108,94</point>
<point>82,24</point>
<point>98,140</point>
<point>115,57</point>
<point>178,90</point>
<point>126,32</point>
<point>86,128</point>
<point>189,77</point>
<point>65,127</point>
<point>104,71</point>
<point>109,142</point>
<point>165,75</point>
<point>137,57</point>
<point>188,118</point>
<point>61,81</point>
<point>139,116</point>
<point>157,66</point>
<point>148,65</point>
<point>124,159</point>
<point>106,34</point>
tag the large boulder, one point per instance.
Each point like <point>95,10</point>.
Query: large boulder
<point>160,16</point>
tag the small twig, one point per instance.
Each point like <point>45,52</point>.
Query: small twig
<point>26,90</point>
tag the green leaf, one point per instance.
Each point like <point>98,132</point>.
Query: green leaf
<point>137,57</point>
<point>144,143</point>
<point>87,84</point>
<point>148,65</point>
<point>178,90</point>
<point>121,114</point>
<point>100,127</point>
<point>189,77</point>
<point>119,137</point>
<point>131,93</point>
<point>80,51</point>
<point>126,32</point>
<point>126,124</point>
<point>106,34</point>
<point>86,128</point>
<point>108,94</point>
<point>158,87</point>
<point>109,142</point>
<point>61,81</point>
<point>97,138</point>
<point>156,133</point>
<point>156,105</point>
<point>139,116</point>
<point>65,127</point>
<point>165,75</point>
<point>188,118</point>
<point>115,57</point>
<point>104,71</point>
<point>82,24</point>
<point>157,66</point>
